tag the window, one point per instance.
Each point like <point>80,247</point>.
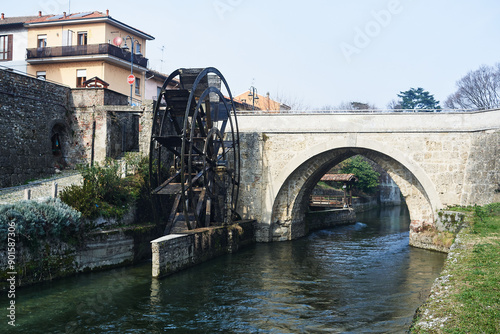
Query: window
<point>42,75</point>
<point>42,41</point>
<point>137,86</point>
<point>5,47</point>
<point>81,77</point>
<point>137,48</point>
<point>67,37</point>
<point>82,38</point>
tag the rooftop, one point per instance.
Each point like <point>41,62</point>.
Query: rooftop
<point>15,20</point>
<point>64,17</point>
<point>72,18</point>
<point>339,177</point>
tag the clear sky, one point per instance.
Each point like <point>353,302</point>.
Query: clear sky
<point>315,52</point>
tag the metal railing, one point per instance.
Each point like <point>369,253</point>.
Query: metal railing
<point>85,50</point>
<point>369,111</point>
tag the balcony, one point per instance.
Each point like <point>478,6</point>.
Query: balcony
<point>84,50</point>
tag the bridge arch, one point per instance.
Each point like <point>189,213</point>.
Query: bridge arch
<point>295,183</point>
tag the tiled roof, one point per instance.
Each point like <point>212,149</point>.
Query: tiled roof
<point>95,15</point>
<point>339,177</point>
<point>62,17</point>
<point>17,19</point>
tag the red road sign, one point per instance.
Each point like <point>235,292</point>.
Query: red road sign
<point>131,79</point>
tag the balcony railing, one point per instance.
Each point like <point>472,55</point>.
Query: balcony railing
<point>85,50</point>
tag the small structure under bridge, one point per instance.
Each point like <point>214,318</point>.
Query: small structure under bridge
<point>334,201</point>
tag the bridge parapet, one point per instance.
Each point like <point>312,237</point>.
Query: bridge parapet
<point>370,122</point>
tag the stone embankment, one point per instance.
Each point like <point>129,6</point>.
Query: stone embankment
<point>174,252</point>
<point>108,248</point>
<point>432,314</point>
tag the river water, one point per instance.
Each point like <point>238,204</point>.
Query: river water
<point>361,278</point>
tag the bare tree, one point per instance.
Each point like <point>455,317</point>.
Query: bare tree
<point>288,102</point>
<point>479,89</point>
<point>394,105</point>
<point>349,106</point>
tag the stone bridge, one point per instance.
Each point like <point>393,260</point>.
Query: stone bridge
<point>436,159</point>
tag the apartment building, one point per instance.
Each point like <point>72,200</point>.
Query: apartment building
<point>14,42</point>
<point>73,48</point>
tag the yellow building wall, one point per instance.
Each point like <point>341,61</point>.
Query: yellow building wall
<point>116,76</point>
<point>55,34</point>
<point>65,73</point>
<point>97,33</point>
<point>111,32</point>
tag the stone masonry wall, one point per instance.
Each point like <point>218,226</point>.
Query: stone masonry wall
<point>252,182</point>
<point>482,173</point>
<point>92,124</point>
<point>145,127</point>
<point>118,129</point>
<point>29,110</point>
<point>53,259</point>
<point>317,220</point>
<point>46,126</point>
<point>174,252</point>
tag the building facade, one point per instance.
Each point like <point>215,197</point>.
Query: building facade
<point>14,42</point>
<point>70,49</point>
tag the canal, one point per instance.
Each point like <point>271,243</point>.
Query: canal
<point>360,278</point>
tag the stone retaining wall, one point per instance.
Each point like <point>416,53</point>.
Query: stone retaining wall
<point>174,252</point>
<point>317,220</point>
<point>52,259</point>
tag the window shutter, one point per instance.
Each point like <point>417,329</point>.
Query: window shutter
<point>67,38</point>
<point>9,46</point>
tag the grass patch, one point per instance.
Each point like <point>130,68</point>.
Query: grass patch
<point>468,300</point>
<point>324,185</point>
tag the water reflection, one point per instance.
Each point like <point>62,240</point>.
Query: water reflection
<point>358,278</point>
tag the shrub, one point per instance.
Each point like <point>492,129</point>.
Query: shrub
<point>41,220</point>
<point>103,192</point>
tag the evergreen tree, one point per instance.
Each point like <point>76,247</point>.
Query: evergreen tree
<point>367,176</point>
<point>418,99</point>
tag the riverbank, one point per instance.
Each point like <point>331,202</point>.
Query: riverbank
<point>466,296</point>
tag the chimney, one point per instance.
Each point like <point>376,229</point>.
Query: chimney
<point>64,13</point>
<point>107,12</point>
<point>40,13</point>
<point>3,16</point>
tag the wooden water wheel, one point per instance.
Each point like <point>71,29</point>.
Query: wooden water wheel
<point>194,151</point>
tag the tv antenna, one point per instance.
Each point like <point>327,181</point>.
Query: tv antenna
<point>161,60</point>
